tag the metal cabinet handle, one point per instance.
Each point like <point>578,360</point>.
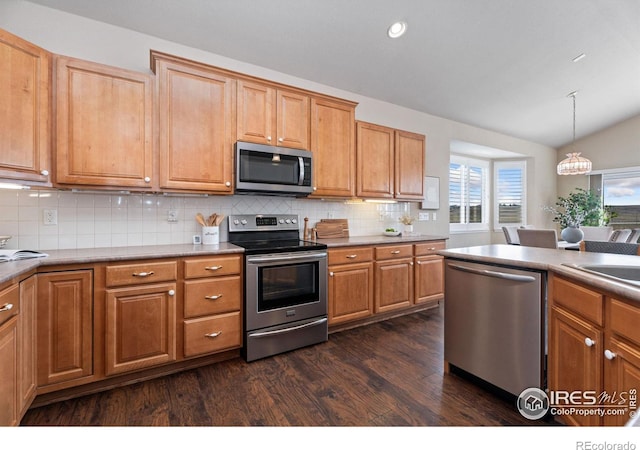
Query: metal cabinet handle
<point>213,268</point>
<point>147,179</point>
<point>171,292</point>
<point>589,342</point>
<point>395,252</point>
<point>213,335</point>
<point>280,140</point>
<point>44,172</point>
<point>227,184</point>
<point>609,354</point>
<point>432,248</point>
<point>213,297</point>
<point>330,274</point>
<point>269,138</point>
<point>143,274</point>
<point>6,307</point>
<point>352,256</point>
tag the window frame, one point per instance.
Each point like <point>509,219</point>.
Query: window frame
<point>485,166</point>
<point>515,164</point>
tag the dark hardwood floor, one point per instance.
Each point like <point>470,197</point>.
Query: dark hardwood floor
<point>384,374</point>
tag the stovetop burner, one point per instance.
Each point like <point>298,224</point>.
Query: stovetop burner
<point>260,234</point>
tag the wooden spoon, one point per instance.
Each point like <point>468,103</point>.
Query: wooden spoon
<point>212,219</point>
<point>200,219</point>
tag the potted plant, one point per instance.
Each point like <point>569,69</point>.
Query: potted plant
<point>580,207</point>
<point>407,221</point>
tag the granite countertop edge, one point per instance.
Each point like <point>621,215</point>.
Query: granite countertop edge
<point>551,260</point>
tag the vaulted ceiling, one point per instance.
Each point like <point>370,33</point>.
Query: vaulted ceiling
<point>503,65</point>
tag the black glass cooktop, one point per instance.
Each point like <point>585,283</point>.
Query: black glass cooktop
<point>278,246</point>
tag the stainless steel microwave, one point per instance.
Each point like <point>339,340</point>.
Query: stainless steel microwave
<point>269,170</point>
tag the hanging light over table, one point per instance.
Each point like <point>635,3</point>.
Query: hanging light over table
<point>574,164</point>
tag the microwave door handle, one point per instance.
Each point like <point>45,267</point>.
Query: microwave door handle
<point>301,165</point>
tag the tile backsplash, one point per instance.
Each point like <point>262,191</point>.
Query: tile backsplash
<point>90,220</point>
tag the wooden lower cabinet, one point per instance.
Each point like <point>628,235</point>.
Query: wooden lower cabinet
<point>140,327</point>
<point>350,292</point>
<point>9,372</point>
<point>594,345</point>
<point>429,278</point>
<point>27,327</point>
<point>394,284</point>
<point>65,326</point>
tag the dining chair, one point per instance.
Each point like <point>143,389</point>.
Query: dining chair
<point>635,236</point>
<point>511,235</point>
<point>619,248</point>
<point>545,238</point>
<point>596,233</point>
<point>620,235</point>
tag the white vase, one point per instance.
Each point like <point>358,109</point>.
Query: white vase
<point>408,229</point>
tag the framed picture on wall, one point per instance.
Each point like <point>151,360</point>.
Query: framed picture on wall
<point>431,193</point>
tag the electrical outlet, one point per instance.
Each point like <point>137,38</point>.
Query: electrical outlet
<point>172,216</point>
<point>434,216</point>
<point>423,216</point>
<point>50,217</point>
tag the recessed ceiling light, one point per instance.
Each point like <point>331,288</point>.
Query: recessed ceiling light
<point>397,29</point>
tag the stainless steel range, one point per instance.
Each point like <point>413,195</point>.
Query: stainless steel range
<point>285,289</point>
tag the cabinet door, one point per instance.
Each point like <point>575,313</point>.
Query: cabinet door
<point>9,373</point>
<point>104,125</point>
<point>375,161</point>
<point>574,364</point>
<point>409,165</point>
<point>350,292</point>
<point>25,77</point>
<point>393,284</point>
<point>197,128</point>
<point>256,113</point>
<point>333,147</point>
<point>292,118</point>
<point>622,379</point>
<point>65,326</point>
<point>429,278</point>
<point>140,327</point>
<point>27,343</point>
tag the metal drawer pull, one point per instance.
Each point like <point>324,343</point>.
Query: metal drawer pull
<point>143,274</point>
<point>352,256</point>
<point>213,297</point>
<point>395,252</point>
<point>609,354</point>
<point>432,248</point>
<point>589,342</point>
<point>213,335</point>
<point>213,268</point>
<point>6,307</point>
<point>171,292</point>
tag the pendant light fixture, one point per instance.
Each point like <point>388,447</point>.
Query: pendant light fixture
<point>574,164</point>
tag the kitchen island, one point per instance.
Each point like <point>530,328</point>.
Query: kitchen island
<point>592,326</point>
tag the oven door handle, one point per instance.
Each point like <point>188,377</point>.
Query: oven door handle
<point>288,330</point>
<point>289,257</point>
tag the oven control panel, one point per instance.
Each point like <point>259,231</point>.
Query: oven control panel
<point>263,222</point>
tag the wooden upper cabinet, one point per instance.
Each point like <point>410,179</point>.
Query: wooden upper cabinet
<point>333,147</point>
<point>196,109</point>
<point>375,154</point>
<point>25,78</point>
<point>409,165</point>
<point>390,162</point>
<point>104,125</point>
<point>272,116</point>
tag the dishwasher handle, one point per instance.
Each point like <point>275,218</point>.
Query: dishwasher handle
<point>494,274</point>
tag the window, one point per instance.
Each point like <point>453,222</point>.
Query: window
<point>468,194</point>
<point>621,196</point>
<point>509,193</point>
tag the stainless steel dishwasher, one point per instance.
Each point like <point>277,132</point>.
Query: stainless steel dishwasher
<point>494,320</point>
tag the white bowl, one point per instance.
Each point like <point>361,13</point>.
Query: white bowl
<point>391,233</point>
<point>3,240</point>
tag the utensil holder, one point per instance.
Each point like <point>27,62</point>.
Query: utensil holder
<point>210,235</point>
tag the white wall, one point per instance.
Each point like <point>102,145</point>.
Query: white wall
<point>75,36</point>
<point>616,147</point>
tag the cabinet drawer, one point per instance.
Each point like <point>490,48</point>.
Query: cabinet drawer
<point>9,302</point>
<point>206,296</point>
<point>350,255</point>
<point>394,251</point>
<point>212,266</point>
<point>582,301</point>
<point>212,334</point>
<point>140,273</point>
<point>624,319</point>
<point>429,248</point>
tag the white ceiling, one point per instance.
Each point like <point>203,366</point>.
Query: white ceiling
<point>503,65</point>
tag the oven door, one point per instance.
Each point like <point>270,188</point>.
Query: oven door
<point>285,287</point>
